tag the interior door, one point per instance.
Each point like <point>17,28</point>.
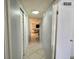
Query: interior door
<point>64,30</point>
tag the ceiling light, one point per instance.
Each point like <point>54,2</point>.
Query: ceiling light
<point>35,12</point>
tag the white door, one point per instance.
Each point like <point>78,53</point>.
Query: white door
<point>65,29</point>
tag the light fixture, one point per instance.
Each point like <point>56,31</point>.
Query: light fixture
<point>35,12</point>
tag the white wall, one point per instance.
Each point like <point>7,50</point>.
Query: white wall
<point>65,31</point>
<point>46,33</point>
<point>14,17</point>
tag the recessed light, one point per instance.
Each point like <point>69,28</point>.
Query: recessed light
<point>35,12</point>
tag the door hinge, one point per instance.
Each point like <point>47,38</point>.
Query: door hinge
<point>57,12</point>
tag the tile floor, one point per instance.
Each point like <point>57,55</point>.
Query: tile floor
<point>34,51</point>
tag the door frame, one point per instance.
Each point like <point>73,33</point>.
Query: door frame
<point>6,32</point>
<point>22,15</point>
<point>55,15</point>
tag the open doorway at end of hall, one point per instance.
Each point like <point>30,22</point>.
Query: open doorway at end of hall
<point>34,24</point>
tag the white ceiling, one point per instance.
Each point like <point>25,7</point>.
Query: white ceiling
<point>38,5</point>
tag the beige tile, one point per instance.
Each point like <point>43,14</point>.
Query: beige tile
<point>35,56</point>
<point>34,51</point>
<point>26,57</point>
<point>40,52</point>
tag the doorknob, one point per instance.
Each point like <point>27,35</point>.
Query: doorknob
<point>71,40</point>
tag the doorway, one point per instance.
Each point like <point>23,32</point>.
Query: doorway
<point>34,29</point>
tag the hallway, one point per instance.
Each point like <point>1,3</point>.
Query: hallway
<point>34,51</point>
<point>39,29</point>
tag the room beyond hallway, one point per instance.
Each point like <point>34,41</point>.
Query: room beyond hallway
<point>34,51</point>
